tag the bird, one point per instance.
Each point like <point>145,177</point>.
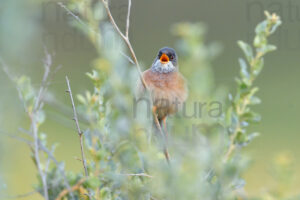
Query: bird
<point>166,85</point>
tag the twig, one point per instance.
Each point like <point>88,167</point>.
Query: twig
<point>13,79</point>
<point>125,37</point>
<point>74,188</point>
<point>19,196</point>
<point>45,150</point>
<point>135,60</point>
<point>127,57</point>
<point>37,144</point>
<point>128,43</point>
<point>34,125</point>
<point>71,13</point>
<point>51,156</point>
<point>140,174</point>
<point>128,18</point>
<point>241,108</point>
<point>80,133</point>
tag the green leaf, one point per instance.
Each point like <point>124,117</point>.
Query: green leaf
<point>247,49</point>
<point>267,48</point>
<point>244,71</point>
<point>275,26</point>
<point>258,66</point>
<point>228,116</point>
<point>238,184</point>
<point>253,91</point>
<point>241,138</point>
<point>81,99</point>
<point>261,27</point>
<point>259,41</point>
<point>26,89</point>
<point>252,136</point>
<point>251,117</point>
<point>40,117</point>
<point>94,75</point>
<point>254,100</point>
<point>93,182</point>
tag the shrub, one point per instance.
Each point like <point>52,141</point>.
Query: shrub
<point>125,160</point>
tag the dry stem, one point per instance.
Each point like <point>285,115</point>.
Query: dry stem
<point>80,133</point>
<point>135,60</point>
<point>65,192</point>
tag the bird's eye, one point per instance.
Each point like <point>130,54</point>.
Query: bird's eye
<point>171,57</point>
<point>159,54</point>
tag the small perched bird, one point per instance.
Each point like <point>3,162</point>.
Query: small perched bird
<point>166,85</point>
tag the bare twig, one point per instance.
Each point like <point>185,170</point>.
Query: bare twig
<point>128,18</point>
<point>77,18</point>
<point>140,174</point>
<point>13,79</point>
<point>19,196</point>
<point>72,14</point>
<point>34,122</point>
<point>37,144</point>
<point>135,60</point>
<point>127,57</point>
<point>125,37</point>
<point>80,133</point>
<point>50,156</point>
<point>65,192</point>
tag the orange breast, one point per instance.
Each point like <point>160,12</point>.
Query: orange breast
<point>168,91</point>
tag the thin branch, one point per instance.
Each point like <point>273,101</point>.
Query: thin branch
<point>21,139</point>
<point>128,58</point>
<point>37,144</point>
<point>80,133</point>
<point>128,18</point>
<point>20,195</point>
<point>42,90</point>
<point>126,39</point>
<point>71,13</point>
<point>34,123</point>
<point>13,79</point>
<point>135,60</point>
<point>77,18</point>
<point>65,192</point>
<point>140,174</point>
<point>34,127</point>
<point>51,156</point>
<point>105,2</point>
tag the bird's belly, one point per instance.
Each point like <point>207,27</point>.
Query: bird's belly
<point>167,101</point>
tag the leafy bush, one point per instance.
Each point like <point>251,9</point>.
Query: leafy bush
<point>125,160</point>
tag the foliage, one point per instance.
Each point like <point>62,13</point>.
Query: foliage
<point>126,161</point>
<point>239,115</point>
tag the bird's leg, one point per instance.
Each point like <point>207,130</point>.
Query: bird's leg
<point>157,124</point>
<point>165,149</point>
<point>165,128</point>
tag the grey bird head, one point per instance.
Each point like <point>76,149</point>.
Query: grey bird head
<point>166,61</point>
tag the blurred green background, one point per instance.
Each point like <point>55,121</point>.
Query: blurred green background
<point>27,26</point>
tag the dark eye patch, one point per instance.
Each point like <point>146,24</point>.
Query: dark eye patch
<point>159,54</point>
<point>171,56</point>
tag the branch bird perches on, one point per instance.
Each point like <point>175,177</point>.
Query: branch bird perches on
<point>126,39</point>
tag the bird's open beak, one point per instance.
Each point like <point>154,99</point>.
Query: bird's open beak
<point>164,59</point>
